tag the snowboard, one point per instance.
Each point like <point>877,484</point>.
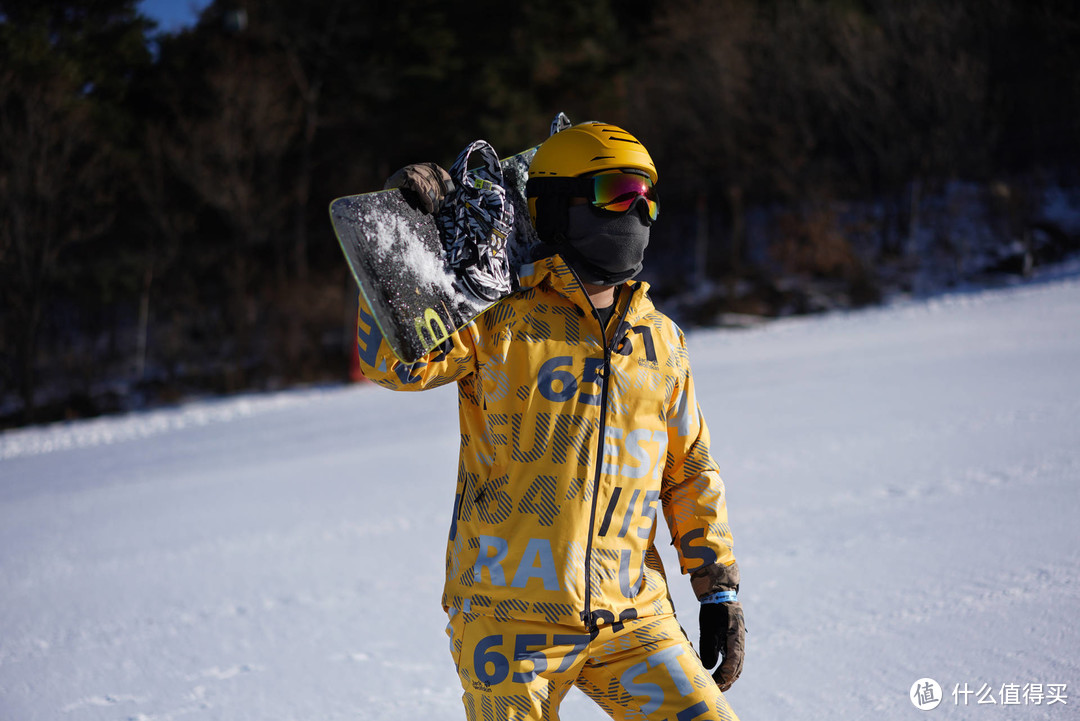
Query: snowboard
<point>401,256</point>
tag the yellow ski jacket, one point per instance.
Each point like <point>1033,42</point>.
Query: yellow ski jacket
<point>569,447</point>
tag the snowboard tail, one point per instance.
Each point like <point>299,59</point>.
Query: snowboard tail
<point>394,252</point>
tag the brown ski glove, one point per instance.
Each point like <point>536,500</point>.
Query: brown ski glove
<point>723,632</point>
<point>428,183</point>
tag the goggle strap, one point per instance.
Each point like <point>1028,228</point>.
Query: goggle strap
<point>575,187</point>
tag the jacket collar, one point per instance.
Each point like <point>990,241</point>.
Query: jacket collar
<point>554,273</point>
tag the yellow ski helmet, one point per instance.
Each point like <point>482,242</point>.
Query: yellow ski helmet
<point>589,148</point>
<point>582,150</point>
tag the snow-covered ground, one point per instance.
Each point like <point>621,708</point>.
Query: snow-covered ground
<point>903,487</point>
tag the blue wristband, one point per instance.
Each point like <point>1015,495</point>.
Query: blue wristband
<point>720,597</point>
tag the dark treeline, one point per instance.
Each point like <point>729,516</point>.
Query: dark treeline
<point>163,226</point>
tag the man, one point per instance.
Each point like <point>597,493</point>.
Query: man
<point>578,423</point>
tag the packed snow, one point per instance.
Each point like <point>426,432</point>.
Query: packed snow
<point>902,484</point>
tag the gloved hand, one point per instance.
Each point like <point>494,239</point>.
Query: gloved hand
<point>429,183</point>
<point>723,633</point>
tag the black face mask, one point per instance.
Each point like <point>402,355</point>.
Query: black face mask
<point>604,248</point>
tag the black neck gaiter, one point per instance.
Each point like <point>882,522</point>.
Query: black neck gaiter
<point>605,249</point>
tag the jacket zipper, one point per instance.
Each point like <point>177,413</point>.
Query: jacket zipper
<point>587,615</point>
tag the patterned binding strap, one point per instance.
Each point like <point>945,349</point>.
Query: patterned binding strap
<point>475,224</point>
<point>560,123</point>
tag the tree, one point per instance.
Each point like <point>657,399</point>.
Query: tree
<point>61,91</point>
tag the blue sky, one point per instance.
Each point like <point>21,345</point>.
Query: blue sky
<point>173,14</point>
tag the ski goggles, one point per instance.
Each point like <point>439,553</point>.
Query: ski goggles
<point>614,192</point>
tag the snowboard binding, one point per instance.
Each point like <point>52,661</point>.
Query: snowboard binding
<point>475,223</point>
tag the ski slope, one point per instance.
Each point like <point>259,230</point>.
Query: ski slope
<point>903,487</point>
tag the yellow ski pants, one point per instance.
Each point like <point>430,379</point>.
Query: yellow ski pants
<point>635,670</point>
